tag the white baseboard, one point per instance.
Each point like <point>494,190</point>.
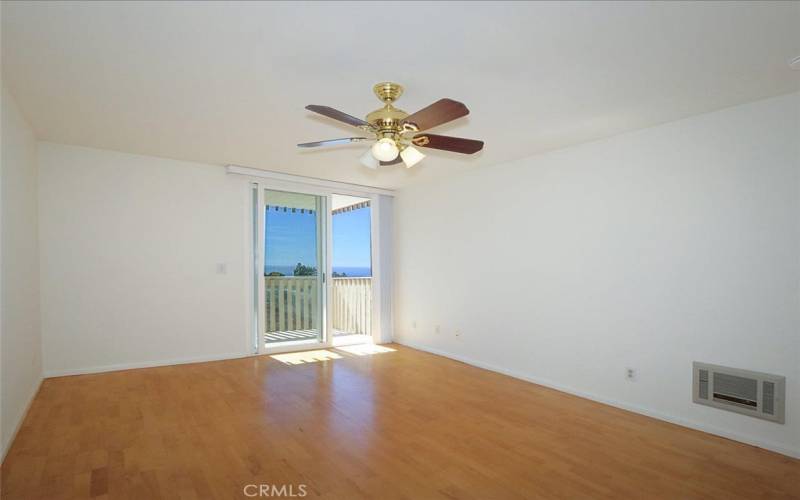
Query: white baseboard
<point>776,447</point>
<point>143,364</point>
<point>20,419</point>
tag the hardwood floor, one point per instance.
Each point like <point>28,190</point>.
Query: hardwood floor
<point>401,424</point>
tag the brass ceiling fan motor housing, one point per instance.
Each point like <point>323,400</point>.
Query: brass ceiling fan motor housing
<point>388,120</point>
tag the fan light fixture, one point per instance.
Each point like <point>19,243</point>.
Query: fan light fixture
<point>396,131</point>
<point>411,156</point>
<point>368,160</point>
<point>385,149</point>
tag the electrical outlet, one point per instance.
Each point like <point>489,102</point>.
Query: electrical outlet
<point>458,333</point>
<point>414,324</point>
<point>222,268</point>
<point>438,329</point>
<point>630,374</point>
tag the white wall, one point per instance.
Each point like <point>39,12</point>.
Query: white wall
<point>20,335</point>
<point>648,250</point>
<point>129,252</point>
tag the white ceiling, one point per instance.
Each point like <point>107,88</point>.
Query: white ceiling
<point>226,83</point>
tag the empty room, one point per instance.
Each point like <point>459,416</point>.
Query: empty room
<point>400,250</point>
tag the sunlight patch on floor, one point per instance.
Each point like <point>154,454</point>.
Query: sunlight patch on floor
<point>341,339</point>
<point>302,357</point>
<point>365,349</point>
<point>298,358</point>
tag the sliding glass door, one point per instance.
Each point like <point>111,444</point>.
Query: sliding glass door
<point>294,268</point>
<point>313,258</point>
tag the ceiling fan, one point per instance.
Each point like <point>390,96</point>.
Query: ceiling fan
<point>396,132</point>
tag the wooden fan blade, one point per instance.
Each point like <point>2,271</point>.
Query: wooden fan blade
<point>447,143</point>
<point>337,115</point>
<point>332,142</point>
<point>392,162</point>
<point>442,111</point>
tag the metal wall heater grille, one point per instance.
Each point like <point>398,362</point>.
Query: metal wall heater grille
<point>757,394</point>
<point>768,398</point>
<point>703,389</point>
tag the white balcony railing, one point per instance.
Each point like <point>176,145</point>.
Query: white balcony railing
<point>291,304</point>
<point>351,305</point>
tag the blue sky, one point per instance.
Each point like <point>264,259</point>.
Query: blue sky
<point>351,239</point>
<point>291,238</point>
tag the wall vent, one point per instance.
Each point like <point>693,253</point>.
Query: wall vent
<point>757,394</point>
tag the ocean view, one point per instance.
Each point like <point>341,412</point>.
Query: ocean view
<point>291,237</point>
<point>351,272</point>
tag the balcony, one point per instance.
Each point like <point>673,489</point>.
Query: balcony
<point>291,305</point>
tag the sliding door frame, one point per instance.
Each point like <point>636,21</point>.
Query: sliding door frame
<point>257,304</point>
<point>323,247</point>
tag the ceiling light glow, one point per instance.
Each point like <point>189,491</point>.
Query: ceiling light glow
<point>411,156</point>
<point>385,149</point>
<point>368,160</point>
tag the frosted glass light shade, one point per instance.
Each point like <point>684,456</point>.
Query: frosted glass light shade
<point>368,160</point>
<point>411,156</point>
<point>385,149</point>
